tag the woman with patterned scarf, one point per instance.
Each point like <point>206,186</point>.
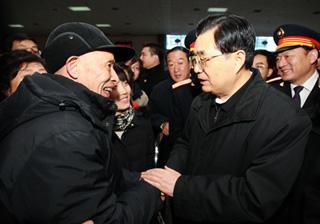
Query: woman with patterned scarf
<point>133,140</point>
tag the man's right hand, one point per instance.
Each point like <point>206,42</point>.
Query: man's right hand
<point>88,222</point>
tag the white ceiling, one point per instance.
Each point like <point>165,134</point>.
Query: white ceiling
<point>149,17</point>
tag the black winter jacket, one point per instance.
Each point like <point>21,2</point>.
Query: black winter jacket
<point>56,164</point>
<point>135,149</point>
<point>241,170</point>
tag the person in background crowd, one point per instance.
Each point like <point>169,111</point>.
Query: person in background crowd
<point>263,61</point>
<point>22,41</point>
<point>133,140</point>
<point>153,72</point>
<point>296,58</point>
<point>14,66</point>
<point>57,163</point>
<point>184,92</point>
<point>161,99</point>
<point>243,143</point>
<point>139,97</point>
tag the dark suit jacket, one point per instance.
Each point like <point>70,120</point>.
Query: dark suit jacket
<point>149,78</point>
<point>306,193</point>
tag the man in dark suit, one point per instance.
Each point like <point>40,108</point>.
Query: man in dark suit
<point>153,72</point>
<point>297,54</point>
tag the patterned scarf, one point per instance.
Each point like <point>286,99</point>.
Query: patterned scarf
<point>122,120</point>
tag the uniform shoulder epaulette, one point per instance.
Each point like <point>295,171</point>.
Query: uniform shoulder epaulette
<point>181,83</point>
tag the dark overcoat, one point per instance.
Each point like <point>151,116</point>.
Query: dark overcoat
<point>56,163</point>
<point>242,169</point>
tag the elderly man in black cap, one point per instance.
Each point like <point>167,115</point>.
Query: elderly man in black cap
<point>297,54</point>
<point>56,162</point>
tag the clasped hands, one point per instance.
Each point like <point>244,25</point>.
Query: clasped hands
<point>163,179</point>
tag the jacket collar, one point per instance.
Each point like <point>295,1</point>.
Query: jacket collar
<point>244,110</point>
<point>311,106</point>
<point>38,95</point>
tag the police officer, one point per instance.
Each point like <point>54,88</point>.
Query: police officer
<point>297,54</point>
<point>184,92</point>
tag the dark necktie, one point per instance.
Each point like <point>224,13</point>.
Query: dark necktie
<point>296,97</point>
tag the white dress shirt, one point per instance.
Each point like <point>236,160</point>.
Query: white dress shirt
<point>307,87</point>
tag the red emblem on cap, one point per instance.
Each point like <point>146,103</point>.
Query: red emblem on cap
<point>280,33</point>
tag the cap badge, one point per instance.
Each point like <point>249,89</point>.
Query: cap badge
<point>280,33</point>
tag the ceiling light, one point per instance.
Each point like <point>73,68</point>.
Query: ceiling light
<point>214,9</point>
<point>79,8</point>
<point>103,25</point>
<point>16,25</point>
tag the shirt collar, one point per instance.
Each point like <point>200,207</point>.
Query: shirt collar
<point>228,105</point>
<point>309,84</point>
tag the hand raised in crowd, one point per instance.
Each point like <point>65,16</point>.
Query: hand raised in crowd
<point>163,179</point>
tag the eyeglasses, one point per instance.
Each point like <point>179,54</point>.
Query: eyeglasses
<point>201,62</point>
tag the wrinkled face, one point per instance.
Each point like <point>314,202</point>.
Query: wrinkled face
<point>148,60</point>
<point>217,72</point>
<point>27,45</point>
<point>121,95</point>
<point>178,65</point>
<point>26,69</point>
<point>95,71</point>
<point>260,62</point>
<point>296,65</point>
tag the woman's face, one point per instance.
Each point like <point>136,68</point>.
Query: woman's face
<point>135,67</point>
<point>26,69</point>
<point>122,95</point>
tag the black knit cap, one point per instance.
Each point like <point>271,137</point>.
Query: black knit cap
<point>75,39</point>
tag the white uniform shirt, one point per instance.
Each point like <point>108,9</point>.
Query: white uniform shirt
<point>307,87</point>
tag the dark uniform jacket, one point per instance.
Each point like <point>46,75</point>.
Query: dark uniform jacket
<point>160,103</point>
<point>306,200</point>
<point>56,164</point>
<point>149,78</point>
<point>161,109</point>
<point>241,169</point>
<point>135,149</point>
<point>182,97</point>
